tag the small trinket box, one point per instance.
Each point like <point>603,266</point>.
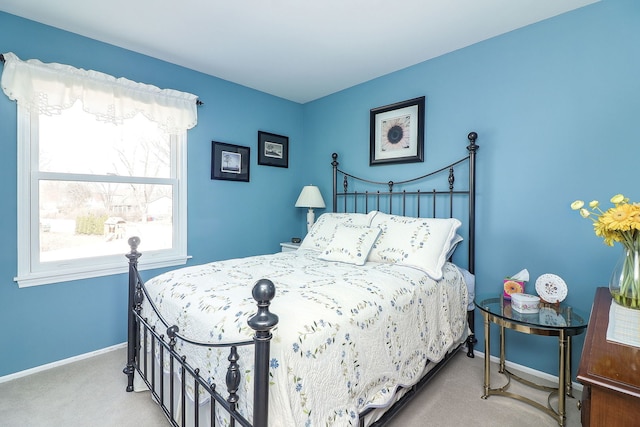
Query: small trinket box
<point>525,303</point>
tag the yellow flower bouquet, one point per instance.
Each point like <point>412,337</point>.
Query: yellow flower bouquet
<point>620,223</point>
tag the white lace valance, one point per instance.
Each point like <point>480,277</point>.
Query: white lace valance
<point>50,88</point>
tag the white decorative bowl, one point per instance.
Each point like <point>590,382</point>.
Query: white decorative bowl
<point>525,303</point>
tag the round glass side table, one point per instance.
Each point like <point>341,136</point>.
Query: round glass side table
<point>556,320</point>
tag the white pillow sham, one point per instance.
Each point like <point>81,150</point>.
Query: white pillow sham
<point>350,244</point>
<point>324,228</point>
<point>421,243</point>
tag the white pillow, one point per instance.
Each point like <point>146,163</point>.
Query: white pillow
<point>422,243</point>
<point>350,244</point>
<point>324,228</point>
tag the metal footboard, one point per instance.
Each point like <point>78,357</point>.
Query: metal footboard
<point>144,340</point>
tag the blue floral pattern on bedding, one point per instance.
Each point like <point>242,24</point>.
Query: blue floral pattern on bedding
<point>348,335</point>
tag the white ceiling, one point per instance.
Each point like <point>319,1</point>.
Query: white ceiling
<point>296,49</point>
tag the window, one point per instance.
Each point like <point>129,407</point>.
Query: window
<point>87,182</point>
<point>87,186</point>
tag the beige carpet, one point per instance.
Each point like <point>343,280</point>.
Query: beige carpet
<point>453,398</point>
<point>92,393</point>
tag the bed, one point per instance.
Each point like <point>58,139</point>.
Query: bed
<point>342,332</point>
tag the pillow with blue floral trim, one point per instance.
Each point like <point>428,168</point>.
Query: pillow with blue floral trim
<point>324,228</point>
<point>422,243</point>
<point>350,244</point>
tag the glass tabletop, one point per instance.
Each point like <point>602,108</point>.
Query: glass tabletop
<point>550,316</point>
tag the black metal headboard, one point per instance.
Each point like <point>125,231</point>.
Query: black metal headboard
<point>355,194</point>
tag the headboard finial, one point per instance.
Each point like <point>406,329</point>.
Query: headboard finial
<point>472,147</point>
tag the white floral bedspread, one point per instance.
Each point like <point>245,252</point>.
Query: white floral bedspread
<point>348,335</point>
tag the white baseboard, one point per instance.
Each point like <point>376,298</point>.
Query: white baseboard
<point>530,371</point>
<point>480,354</point>
<point>60,363</point>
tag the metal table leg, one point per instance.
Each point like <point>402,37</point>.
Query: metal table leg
<point>562,374</point>
<point>487,356</point>
<point>503,350</point>
<point>569,385</point>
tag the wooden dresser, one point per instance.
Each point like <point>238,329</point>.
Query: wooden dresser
<point>610,373</point>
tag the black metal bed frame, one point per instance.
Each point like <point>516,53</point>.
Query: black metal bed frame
<point>144,338</point>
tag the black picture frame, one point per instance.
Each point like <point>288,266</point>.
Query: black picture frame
<point>273,150</point>
<point>230,162</point>
<point>397,133</point>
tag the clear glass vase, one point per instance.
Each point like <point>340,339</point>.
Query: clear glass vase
<point>625,279</point>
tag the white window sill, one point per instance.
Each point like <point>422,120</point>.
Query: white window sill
<point>45,278</point>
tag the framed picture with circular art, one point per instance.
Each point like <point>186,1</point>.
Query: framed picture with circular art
<point>397,133</point>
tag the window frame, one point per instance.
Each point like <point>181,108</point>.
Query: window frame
<point>32,272</point>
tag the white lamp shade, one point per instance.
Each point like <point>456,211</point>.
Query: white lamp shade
<point>310,197</point>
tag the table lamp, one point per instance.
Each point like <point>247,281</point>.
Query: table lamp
<point>310,197</point>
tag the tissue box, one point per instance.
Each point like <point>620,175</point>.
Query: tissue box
<point>512,287</point>
<point>525,303</point>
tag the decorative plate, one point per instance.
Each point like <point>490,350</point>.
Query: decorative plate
<point>549,317</point>
<point>551,288</point>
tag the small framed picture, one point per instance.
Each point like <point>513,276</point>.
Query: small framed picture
<point>397,133</point>
<point>229,162</point>
<point>273,150</point>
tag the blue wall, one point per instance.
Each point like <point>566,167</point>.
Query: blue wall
<point>226,219</point>
<point>554,104</point>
